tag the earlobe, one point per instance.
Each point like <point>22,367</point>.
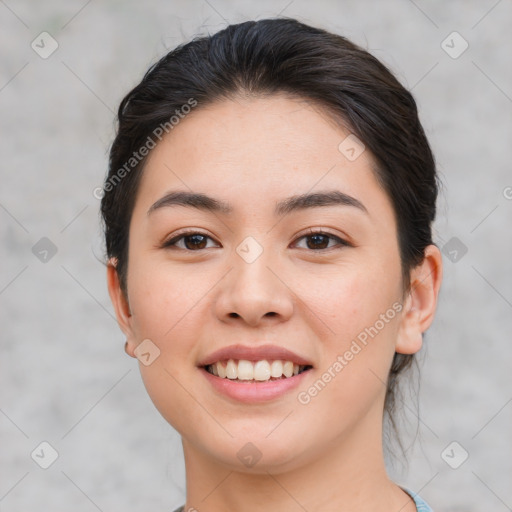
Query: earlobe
<point>121,306</point>
<point>420,304</point>
<point>129,349</point>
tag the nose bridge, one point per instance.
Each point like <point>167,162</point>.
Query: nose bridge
<point>250,251</point>
<point>252,290</point>
<point>251,261</point>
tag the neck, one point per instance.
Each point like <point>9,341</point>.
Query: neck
<point>349,475</point>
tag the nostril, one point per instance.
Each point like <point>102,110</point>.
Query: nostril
<point>236,315</point>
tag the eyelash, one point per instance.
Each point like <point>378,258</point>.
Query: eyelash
<point>173,241</point>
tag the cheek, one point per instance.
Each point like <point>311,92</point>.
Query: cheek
<point>352,375</point>
<point>352,299</point>
<point>361,308</point>
<point>166,306</point>
<point>165,300</point>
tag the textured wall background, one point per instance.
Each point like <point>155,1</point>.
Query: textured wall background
<point>64,376</point>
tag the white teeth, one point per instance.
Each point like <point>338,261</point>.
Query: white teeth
<point>231,369</point>
<point>260,370</point>
<point>221,371</point>
<point>245,370</point>
<point>288,368</point>
<point>276,369</point>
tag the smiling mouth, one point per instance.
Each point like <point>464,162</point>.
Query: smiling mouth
<point>264,370</point>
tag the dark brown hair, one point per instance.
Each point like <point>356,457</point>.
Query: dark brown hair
<point>282,56</point>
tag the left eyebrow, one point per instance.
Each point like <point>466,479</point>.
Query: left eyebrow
<point>328,198</point>
<point>284,207</point>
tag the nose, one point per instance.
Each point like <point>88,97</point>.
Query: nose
<point>254,293</point>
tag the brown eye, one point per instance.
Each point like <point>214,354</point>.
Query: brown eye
<point>319,240</point>
<point>195,241</point>
<point>192,241</point>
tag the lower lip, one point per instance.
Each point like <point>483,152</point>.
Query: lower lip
<point>253,392</point>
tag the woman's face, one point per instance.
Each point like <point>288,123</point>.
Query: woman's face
<point>269,276</point>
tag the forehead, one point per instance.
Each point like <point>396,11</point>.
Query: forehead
<point>258,149</point>
<point>278,129</point>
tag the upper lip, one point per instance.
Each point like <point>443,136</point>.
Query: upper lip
<point>251,353</point>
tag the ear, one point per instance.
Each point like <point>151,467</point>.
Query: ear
<point>121,306</point>
<point>420,303</point>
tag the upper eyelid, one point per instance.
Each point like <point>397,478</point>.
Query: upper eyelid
<point>180,235</point>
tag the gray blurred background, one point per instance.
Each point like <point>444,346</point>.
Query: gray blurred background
<point>65,378</point>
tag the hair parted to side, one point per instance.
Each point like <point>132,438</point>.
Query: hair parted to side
<point>272,56</point>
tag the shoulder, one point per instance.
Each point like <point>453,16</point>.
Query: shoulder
<point>421,505</point>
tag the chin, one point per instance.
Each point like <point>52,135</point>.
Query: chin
<point>257,453</point>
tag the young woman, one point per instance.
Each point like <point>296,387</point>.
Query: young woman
<point>268,214</point>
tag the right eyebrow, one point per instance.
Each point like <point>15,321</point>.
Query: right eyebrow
<point>191,199</point>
